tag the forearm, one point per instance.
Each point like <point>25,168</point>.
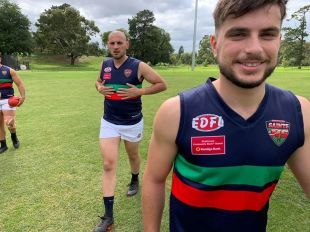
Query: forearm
<point>97,84</point>
<point>154,88</point>
<point>22,91</point>
<point>153,201</point>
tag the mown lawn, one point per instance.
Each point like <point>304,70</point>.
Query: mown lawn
<point>52,183</point>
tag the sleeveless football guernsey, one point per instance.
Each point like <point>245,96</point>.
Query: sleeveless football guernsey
<point>6,82</point>
<point>227,167</point>
<point>117,110</point>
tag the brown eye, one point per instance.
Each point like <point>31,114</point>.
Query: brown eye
<point>237,35</point>
<point>268,36</point>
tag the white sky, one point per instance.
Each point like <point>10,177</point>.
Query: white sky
<point>175,16</point>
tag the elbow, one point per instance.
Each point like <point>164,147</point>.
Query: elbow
<point>164,86</point>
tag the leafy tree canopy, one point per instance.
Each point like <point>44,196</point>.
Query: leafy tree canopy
<point>62,30</point>
<point>147,41</point>
<point>293,46</point>
<point>15,36</point>
<point>205,55</point>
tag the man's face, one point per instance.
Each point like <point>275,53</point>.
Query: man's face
<point>246,47</point>
<point>117,45</point>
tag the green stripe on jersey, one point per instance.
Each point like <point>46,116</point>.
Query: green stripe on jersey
<point>6,80</point>
<point>116,86</point>
<point>234,175</point>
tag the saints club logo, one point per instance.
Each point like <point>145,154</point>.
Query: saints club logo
<point>278,131</point>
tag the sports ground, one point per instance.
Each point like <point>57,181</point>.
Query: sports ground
<point>52,183</point>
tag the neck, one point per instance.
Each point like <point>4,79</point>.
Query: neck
<point>120,61</point>
<point>243,101</point>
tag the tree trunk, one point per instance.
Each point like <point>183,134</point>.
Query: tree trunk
<point>72,59</point>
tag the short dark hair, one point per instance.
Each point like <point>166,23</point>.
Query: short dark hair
<point>237,8</point>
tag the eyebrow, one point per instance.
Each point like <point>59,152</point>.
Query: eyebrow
<point>244,29</point>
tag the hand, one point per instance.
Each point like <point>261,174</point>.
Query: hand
<point>105,90</point>
<point>21,101</point>
<point>131,92</point>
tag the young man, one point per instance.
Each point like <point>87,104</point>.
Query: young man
<point>8,76</point>
<point>229,139</point>
<point>120,81</point>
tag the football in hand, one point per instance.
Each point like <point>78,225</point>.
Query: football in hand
<point>13,101</point>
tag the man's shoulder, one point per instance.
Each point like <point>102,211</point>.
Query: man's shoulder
<point>107,61</point>
<point>195,89</point>
<point>133,60</point>
<point>4,67</point>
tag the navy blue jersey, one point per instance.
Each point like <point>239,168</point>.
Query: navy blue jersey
<point>227,167</point>
<point>6,82</point>
<point>117,110</point>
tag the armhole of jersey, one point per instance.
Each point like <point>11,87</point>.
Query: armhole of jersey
<point>299,120</point>
<point>101,72</point>
<point>182,118</point>
<point>139,75</point>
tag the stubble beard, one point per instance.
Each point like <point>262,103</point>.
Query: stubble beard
<point>118,56</point>
<point>230,75</point>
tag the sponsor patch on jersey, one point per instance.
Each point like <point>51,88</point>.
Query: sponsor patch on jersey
<point>107,69</point>
<point>4,72</point>
<point>106,76</point>
<point>127,72</point>
<point>278,131</point>
<point>207,122</point>
<point>208,145</point>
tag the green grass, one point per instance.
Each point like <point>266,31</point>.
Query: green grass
<point>53,182</point>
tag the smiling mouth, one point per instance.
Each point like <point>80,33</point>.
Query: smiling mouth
<point>251,64</point>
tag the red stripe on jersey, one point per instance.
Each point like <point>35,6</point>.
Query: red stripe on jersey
<point>6,85</point>
<point>220,199</point>
<point>114,96</point>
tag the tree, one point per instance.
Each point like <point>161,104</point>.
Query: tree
<point>306,60</point>
<point>15,35</point>
<point>174,59</point>
<point>148,42</point>
<point>93,49</point>
<point>62,30</point>
<point>294,38</point>
<point>181,51</point>
<point>186,58</point>
<point>205,55</point>
<point>161,47</point>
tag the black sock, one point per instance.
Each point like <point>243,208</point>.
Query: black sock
<point>134,177</point>
<point>108,203</point>
<point>14,136</point>
<point>3,143</point>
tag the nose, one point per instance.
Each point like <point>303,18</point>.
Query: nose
<point>115,46</point>
<point>253,45</point>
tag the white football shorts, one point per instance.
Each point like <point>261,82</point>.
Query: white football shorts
<point>5,106</point>
<point>131,133</point>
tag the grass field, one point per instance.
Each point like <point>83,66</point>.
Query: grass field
<point>52,183</point>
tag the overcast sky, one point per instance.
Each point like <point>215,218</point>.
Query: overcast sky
<point>175,16</point>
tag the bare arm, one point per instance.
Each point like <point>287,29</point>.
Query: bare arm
<point>161,154</point>
<point>151,76</point>
<point>20,85</point>
<point>299,162</point>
